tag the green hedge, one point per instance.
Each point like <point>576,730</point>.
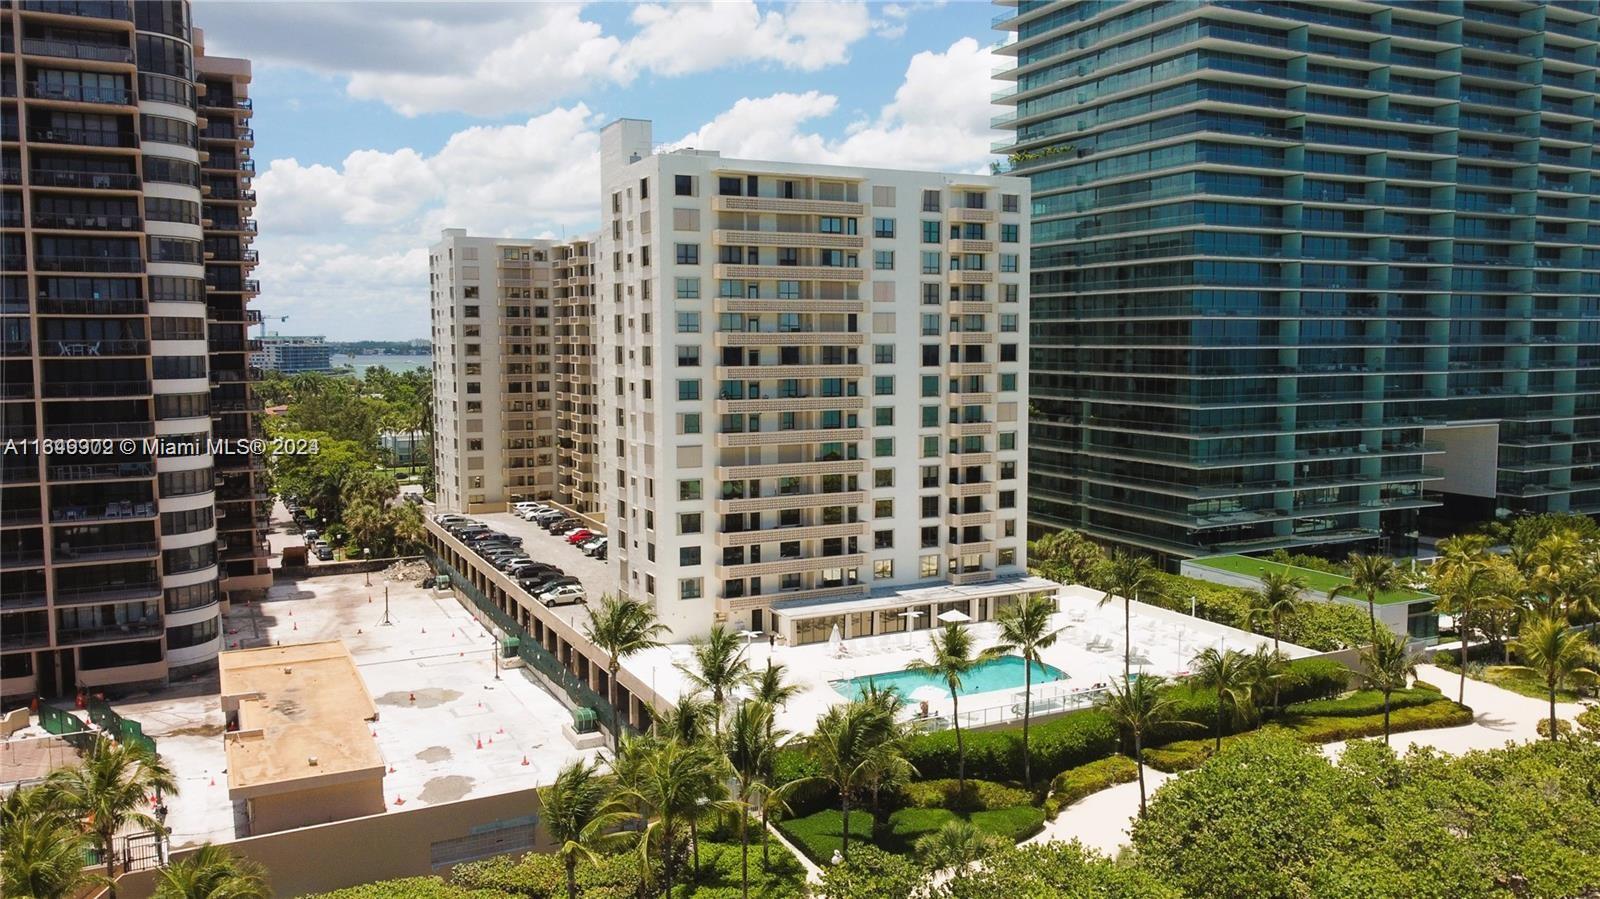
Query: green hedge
<point>1364,702</point>
<point>820,834</point>
<point>409,888</point>
<point>794,764</point>
<point>1187,754</point>
<point>1074,784</point>
<point>901,832</point>
<point>1323,626</point>
<point>981,795</point>
<point>1058,744</point>
<point>543,876</point>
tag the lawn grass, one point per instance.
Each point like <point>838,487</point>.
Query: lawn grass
<point>820,834</point>
<point>1319,581</point>
<point>1523,683</point>
<point>719,872</point>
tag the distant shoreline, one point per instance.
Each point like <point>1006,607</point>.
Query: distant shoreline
<point>394,362</point>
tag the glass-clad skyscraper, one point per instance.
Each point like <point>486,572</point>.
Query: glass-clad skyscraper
<point>1308,274</point>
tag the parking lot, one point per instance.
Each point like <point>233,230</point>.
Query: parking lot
<point>542,546</point>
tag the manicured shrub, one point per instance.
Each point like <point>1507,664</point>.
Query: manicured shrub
<point>1057,744</point>
<point>1074,784</point>
<point>1309,679</point>
<point>1016,823</point>
<point>790,765</point>
<point>1364,702</point>
<point>945,793</point>
<point>820,833</point>
<point>901,832</point>
<point>1424,685</point>
<point>409,888</point>
<point>1563,728</point>
<point>543,876</point>
<point>1066,742</point>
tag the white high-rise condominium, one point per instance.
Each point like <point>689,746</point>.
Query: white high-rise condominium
<point>811,390</point>
<point>507,361</point>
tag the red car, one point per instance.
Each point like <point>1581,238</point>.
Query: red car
<point>579,534</point>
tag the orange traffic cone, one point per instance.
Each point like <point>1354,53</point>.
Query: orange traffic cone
<point>391,769</point>
<point>480,743</point>
<point>413,697</point>
<point>213,781</point>
<point>524,761</point>
<point>399,801</point>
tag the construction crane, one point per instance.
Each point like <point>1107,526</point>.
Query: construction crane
<point>267,318</point>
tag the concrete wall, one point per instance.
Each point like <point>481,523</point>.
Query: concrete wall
<point>329,569</point>
<point>381,847</point>
<point>304,808</point>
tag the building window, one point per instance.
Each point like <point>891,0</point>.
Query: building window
<point>930,476</point>
<point>930,201</point>
<point>1010,203</point>
<point>883,569</point>
<point>1009,322</point>
<point>883,385</point>
<point>1008,233</point>
<point>688,288</point>
<point>930,325</point>
<point>1008,471</point>
<point>688,323</point>
<point>689,423</point>
<point>688,555</point>
<point>882,227</point>
<point>1008,499</point>
<point>1008,352</point>
<point>689,523</point>
<point>930,416</point>
<point>688,253</point>
<point>689,587</point>
<point>883,417</point>
<point>1008,440</point>
<point>928,566</point>
<point>1008,262</point>
<point>932,233</point>
<point>931,295</point>
<point>930,507</point>
<point>930,355</point>
<point>1006,557</point>
<point>688,356</point>
<point>883,353</point>
<point>930,446</point>
<point>1008,381</point>
<point>930,385</point>
<point>688,389</point>
<point>883,508</point>
<point>883,447</point>
<point>682,185</point>
<point>883,477</point>
<point>883,260</point>
<point>883,539</point>
<point>689,490</point>
<point>930,536</point>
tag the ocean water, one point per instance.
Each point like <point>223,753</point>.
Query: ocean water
<point>1004,673</point>
<point>393,363</point>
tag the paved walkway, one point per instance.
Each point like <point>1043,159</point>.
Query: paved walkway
<point>1102,821</point>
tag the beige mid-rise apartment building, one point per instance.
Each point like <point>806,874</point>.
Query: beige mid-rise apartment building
<point>812,390</point>
<point>505,351</point>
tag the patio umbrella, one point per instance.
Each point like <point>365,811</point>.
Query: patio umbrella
<point>835,641</point>
<point>954,616</point>
<point>911,616</point>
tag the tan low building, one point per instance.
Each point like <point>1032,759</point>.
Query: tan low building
<point>299,745</point>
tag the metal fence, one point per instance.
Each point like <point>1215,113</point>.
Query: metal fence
<point>529,650</point>
<point>65,725</point>
<point>1047,700</point>
<point>123,730</point>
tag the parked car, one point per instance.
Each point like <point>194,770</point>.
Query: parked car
<point>540,581</point>
<point>561,526</point>
<point>578,536</point>
<point>324,551</point>
<point>531,569</point>
<point>311,536</point>
<point>562,596</point>
<point>591,547</point>
<point>601,552</point>
<point>514,562</point>
<point>544,518</point>
<point>558,583</point>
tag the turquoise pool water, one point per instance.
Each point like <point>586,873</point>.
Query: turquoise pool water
<point>1004,673</point>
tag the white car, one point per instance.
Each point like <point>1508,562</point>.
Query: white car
<point>564,595</point>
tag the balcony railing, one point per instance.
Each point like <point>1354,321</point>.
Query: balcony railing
<point>110,511</point>
<point>123,264</point>
<point>84,137</point>
<point>74,50</point>
<point>87,180</point>
<point>81,93</point>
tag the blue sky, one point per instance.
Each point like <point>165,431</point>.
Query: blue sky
<point>378,124</point>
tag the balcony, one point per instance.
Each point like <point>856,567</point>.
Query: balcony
<point>969,519</point>
<point>970,276</point>
<point>83,137</point>
<point>119,10</point>
<point>968,338</point>
<point>788,338</point>
<point>958,307</point>
<point>976,576</point>
<point>80,93</point>
<point>962,491</point>
<point>107,552</point>
<point>94,348</point>
<point>104,471</point>
<point>733,506</point>
<point>77,50</point>
<point>972,246</point>
<point>788,566</point>
<point>971,399</point>
<point>789,404</point>
<point>786,372</point>
<point>962,460</point>
<point>96,388</point>
<point>963,369</point>
<point>962,214</point>
<point>809,305</point>
<point>787,206</point>
<point>790,469</point>
<point>788,239</point>
<point>97,593</point>
<point>126,631</point>
<point>112,511</point>
<point>83,180</point>
<point>787,273</point>
<point>792,437</point>
<point>56,221</point>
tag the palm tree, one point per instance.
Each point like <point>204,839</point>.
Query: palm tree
<point>109,791</point>
<point>1129,576</point>
<point>1025,630</point>
<point>43,851</point>
<point>846,746</point>
<point>673,784</point>
<point>1138,707</point>
<point>687,721</point>
<point>952,658</point>
<point>750,744</point>
<point>1369,576</point>
<point>1387,665</point>
<point>1461,575</point>
<point>1269,666</point>
<point>771,689</point>
<point>1232,676</point>
<point>1278,598</point>
<point>573,812</point>
<point>212,872</point>
<point>1068,554</point>
<point>957,846</point>
<point>889,766</point>
<point>719,668</point>
<point>1558,656</point>
<point>620,628</point>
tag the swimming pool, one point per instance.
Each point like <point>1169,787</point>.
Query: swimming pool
<point>1003,673</point>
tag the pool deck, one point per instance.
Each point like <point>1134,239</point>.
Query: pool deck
<point>1164,642</point>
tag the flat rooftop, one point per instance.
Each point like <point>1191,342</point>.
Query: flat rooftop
<point>304,715</point>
